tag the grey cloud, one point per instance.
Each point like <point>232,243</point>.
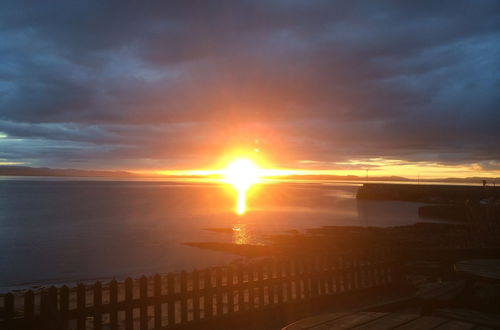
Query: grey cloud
<point>322,80</point>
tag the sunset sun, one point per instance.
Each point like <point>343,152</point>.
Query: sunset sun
<point>241,173</point>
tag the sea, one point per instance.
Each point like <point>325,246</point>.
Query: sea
<point>69,230</point>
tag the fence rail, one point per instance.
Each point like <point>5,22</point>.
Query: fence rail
<point>172,300</point>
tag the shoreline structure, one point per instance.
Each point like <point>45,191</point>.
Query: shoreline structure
<point>427,193</point>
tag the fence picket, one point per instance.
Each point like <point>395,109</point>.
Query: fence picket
<point>129,296</point>
<point>113,300</point>
<point>80,306</point>
<point>313,269</point>
<point>171,299</point>
<point>279,277</point>
<point>270,283</point>
<point>29,309</point>
<point>9,309</point>
<point>63,306</point>
<point>307,278</point>
<point>230,290</point>
<point>296,283</point>
<point>196,295</point>
<point>261,286</point>
<point>97,306</point>
<point>143,296</point>
<point>157,302</point>
<point>208,298</point>
<point>251,285</point>
<point>357,273</point>
<point>241,289</point>
<point>184,299</point>
<point>218,291</point>
<point>288,280</point>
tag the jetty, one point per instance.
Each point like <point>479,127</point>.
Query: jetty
<point>427,193</point>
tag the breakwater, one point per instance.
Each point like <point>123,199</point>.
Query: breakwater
<point>426,193</point>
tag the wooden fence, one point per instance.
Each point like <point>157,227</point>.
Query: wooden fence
<point>173,300</point>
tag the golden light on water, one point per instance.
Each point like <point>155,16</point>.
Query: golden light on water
<point>241,173</point>
<point>240,234</point>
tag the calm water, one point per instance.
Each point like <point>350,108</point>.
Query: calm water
<point>65,231</point>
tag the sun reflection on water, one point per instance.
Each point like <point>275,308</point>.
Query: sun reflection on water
<point>242,174</point>
<point>240,234</point>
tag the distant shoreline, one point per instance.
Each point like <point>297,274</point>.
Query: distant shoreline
<point>24,171</point>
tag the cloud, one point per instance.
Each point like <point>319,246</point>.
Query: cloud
<point>175,83</point>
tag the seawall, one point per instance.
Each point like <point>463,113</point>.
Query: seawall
<point>426,193</point>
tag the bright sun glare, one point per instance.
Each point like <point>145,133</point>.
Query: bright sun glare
<point>242,173</point>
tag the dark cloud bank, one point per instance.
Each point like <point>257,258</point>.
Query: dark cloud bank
<point>175,83</point>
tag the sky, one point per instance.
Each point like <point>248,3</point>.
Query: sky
<point>392,87</point>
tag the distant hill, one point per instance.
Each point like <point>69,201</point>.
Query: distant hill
<point>44,171</point>
<point>343,177</point>
<point>9,170</point>
<point>389,178</point>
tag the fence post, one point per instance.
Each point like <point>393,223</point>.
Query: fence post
<point>157,302</point>
<point>355,272</point>
<point>208,298</point>
<point>330,275</point>
<point>398,271</point>
<point>129,296</point>
<point>196,295</point>
<point>251,285</point>
<point>9,310</point>
<point>344,274</point>
<point>143,295</point>
<point>241,289</point>
<point>322,285</point>
<point>43,308</point>
<point>29,309</point>
<point>348,274</point>
<point>288,280</point>
<point>97,306</point>
<point>320,278</point>
<point>271,287</point>
<point>383,271</point>
<point>366,272</point>
<point>80,306</point>
<point>297,280</point>
<point>306,276</point>
<point>261,286</point>
<point>64,306</point>
<point>218,291</point>
<point>230,290</point>
<point>376,271</point>
<point>313,275</point>
<point>113,308</point>
<point>362,271</point>
<point>184,305</point>
<point>53,311</point>
<point>280,279</point>
<point>370,272</point>
<point>338,275</point>
<point>171,299</point>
